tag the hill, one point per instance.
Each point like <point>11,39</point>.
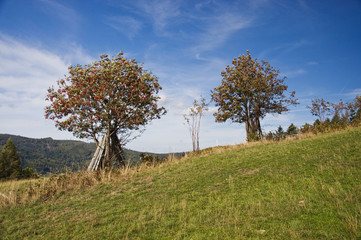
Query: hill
<point>49,155</point>
<point>302,189</point>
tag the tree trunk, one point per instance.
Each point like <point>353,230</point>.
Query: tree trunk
<point>198,129</point>
<point>95,140</point>
<point>193,131</point>
<point>117,150</point>
<point>253,129</point>
<point>259,128</point>
<point>106,160</point>
<point>248,123</point>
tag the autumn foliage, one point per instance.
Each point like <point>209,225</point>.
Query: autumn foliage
<point>111,97</point>
<point>248,92</point>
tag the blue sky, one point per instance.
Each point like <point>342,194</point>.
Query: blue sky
<point>186,44</point>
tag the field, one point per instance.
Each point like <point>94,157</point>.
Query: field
<point>299,189</point>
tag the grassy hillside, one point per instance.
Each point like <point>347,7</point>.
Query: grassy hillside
<point>302,189</point>
<point>49,155</point>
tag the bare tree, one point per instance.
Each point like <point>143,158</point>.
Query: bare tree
<point>193,119</point>
<point>320,108</point>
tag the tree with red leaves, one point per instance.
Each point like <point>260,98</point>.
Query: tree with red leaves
<point>111,97</point>
<point>249,91</point>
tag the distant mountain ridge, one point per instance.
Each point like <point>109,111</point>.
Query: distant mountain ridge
<point>49,155</point>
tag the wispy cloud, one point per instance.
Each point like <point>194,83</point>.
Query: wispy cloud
<point>283,49</point>
<point>294,73</point>
<point>217,22</point>
<point>219,29</point>
<point>161,12</point>
<point>128,26</point>
<point>60,11</point>
<point>74,53</point>
<point>312,63</point>
<point>303,5</point>
<point>255,4</point>
<point>353,93</point>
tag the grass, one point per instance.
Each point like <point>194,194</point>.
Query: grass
<point>302,189</point>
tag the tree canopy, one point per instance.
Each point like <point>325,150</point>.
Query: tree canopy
<point>111,97</point>
<point>250,90</point>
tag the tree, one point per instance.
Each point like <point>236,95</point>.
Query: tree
<point>306,128</point>
<point>292,130</point>
<point>193,119</point>
<point>29,173</point>
<point>320,108</point>
<point>146,158</point>
<point>111,97</point>
<point>248,92</point>
<point>10,165</point>
<point>355,110</point>
<point>341,109</point>
<point>336,119</point>
<point>280,133</point>
<point>270,136</point>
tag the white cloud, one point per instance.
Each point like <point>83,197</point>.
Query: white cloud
<point>212,109</point>
<point>75,54</point>
<point>26,73</point>
<point>27,69</point>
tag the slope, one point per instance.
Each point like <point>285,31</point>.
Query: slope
<point>302,189</point>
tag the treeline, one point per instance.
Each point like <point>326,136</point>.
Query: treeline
<point>48,155</point>
<point>330,117</point>
<point>10,165</point>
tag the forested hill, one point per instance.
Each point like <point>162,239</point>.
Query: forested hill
<point>49,155</point>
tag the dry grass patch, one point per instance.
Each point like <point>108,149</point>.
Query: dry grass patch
<point>16,192</point>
